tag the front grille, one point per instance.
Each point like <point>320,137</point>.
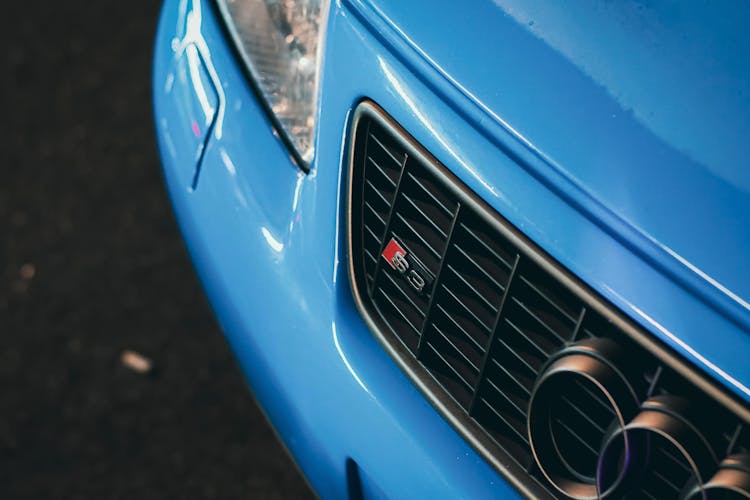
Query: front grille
<point>493,311</point>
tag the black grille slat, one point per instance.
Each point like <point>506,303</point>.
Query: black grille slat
<point>429,193</point>
<point>539,321</point>
<point>493,310</point>
<point>397,161</point>
<point>471,305</point>
<point>382,171</point>
<point>674,460</point>
<point>377,215</point>
<point>583,422</point>
<point>592,397</point>
<point>487,246</point>
<point>536,353</point>
<point>429,219</point>
<point>477,294</point>
<point>479,267</point>
<point>650,495</point>
<point>371,233</point>
<point>465,310</point>
<point>666,474</point>
<point>514,402</point>
<point>420,236</point>
<point>484,254</point>
<point>461,352</point>
<point>450,366</point>
<point>664,483</point>
<point>380,196</point>
<point>463,330</point>
<point>512,424</point>
<point>515,377</point>
<point>580,439</point>
<point>454,360</point>
<point>407,294</point>
<point>399,311</point>
<point>574,407</point>
<point>668,481</point>
<point>521,361</point>
<point>489,357</point>
<point>370,256</point>
<point>571,317</point>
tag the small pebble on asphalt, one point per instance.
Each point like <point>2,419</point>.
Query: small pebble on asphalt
<point>27,271</point>
<point>136,361</point>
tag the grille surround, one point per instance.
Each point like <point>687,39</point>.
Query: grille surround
<point>523,477</point>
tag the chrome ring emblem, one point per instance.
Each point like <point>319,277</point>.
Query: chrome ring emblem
<point>578,397</point>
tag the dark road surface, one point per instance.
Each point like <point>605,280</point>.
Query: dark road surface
<point>91,264</point>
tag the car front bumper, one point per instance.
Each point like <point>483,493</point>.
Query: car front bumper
<point>268,243</point>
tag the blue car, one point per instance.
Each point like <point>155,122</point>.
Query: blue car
<point>488,249</point>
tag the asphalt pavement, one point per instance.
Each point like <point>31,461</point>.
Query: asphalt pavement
<point>115,381</point>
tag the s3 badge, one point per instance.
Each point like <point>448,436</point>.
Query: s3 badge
<point>407,265</point>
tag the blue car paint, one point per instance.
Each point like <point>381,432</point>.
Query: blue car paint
<point>638,108</point>
<point>267,240</point>
<point>195,100</point>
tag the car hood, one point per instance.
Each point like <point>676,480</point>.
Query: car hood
<point>643,106</point>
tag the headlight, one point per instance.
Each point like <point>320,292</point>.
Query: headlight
<point>281,43</point>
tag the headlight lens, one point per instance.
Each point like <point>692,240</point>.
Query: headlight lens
<point>281,42</point>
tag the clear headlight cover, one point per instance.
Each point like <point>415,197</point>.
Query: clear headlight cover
<point>281,43</point>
